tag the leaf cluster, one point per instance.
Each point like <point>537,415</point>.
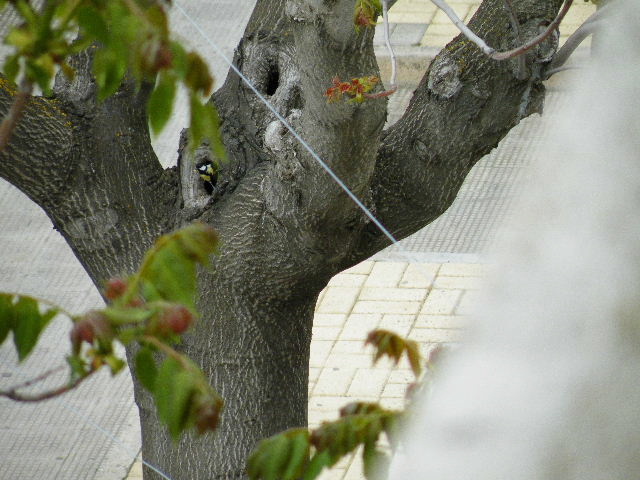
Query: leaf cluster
<point>356,91</point>
<point>366,12</point>
<point>153,308</point>
<point>126,38</point>
<point>394,346</point>
<point>299,453</point>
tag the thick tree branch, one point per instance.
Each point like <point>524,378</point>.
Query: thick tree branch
<point>344,134</point>
<point>463,107</point>
<point>35,158</point>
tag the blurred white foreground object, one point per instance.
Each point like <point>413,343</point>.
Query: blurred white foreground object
<point>548,384</point>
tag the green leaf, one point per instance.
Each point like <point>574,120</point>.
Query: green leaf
<point>360,424</point>
<point>276,459</point>
<point>205,125</point>
<point>146,369</point>
<point>115,364</point>
<point>180,60</point>
<point>127,315</point>
<point>160,103</point>
<point>173,390</point>
<point>319,461</point>
<point>375,463</point>
<point>109,69</point>
<point>42,70</point>
<point>394,346</point>
<point>29,324</point>
<point>298,454</point>
<point>79,368</point>
<point>12,67</point>
<point>280,457</point>
<point>172,275</point>
<point>158,18</point>
<point>168,272</point>
<point>128,335</point>
<point>19,38</point>
<point>93,24</point>
<point>198,79</point>
<point>26,11</point>
<point>6,316</point>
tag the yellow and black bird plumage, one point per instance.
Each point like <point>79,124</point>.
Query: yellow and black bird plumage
<point>209,175</point>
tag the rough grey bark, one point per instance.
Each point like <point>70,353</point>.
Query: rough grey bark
<point>286,227</point>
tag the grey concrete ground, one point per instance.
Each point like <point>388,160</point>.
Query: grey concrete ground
<point>70,438</point>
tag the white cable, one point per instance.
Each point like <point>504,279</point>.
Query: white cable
<point>387,41</point>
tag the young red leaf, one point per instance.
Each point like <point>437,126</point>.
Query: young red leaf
<point>394,346</point>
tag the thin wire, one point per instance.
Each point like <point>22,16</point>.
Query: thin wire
<point>284,122</point>
<point>387,41</point>
<point>115,440</point>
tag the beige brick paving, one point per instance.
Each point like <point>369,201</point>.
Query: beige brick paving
<point>441,302</point>
<point>422,302</point>
<point>419,275</point>
<point>385,274</point>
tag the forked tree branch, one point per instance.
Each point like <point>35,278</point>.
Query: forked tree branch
<point>462,108</point>
<point>553,26</point>
<point>490,51</point>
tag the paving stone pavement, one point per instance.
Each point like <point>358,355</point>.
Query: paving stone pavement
<point>429,303</point>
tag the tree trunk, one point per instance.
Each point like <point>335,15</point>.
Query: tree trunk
<point>256,353</point>
<point>285,226</point>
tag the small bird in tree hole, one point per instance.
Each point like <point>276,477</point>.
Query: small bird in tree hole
<point>209,175</point>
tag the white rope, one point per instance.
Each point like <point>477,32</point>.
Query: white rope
<point>387,41</point>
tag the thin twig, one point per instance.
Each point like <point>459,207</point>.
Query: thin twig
<point>39,378</point>
<point>553,26</point>
<point>15,113</point>
<point>551,72</point>
<point>453,16</point>
<point>491,52</point>
<point>589,26</point>
<point>13,394</point>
